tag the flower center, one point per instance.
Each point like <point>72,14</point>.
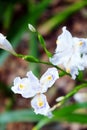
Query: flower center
<point>68,70</point>
<point>40,103</point>
<point>21,86</point>
<point>80,43</point>
<point>49,77</point>
<point>57,41</point>
<point>46,80</point>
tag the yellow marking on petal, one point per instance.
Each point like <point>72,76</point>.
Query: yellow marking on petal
<point>49,77</point>
<point>21,86</point>
<point>46,79</point>
<point>57,41</point>
<point>80,43</point>
<point>40,103</point>
<point>68,70</point>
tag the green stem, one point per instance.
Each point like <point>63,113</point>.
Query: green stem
<point>75,90</point>
<point>35,60</point>
<point>49,63</point>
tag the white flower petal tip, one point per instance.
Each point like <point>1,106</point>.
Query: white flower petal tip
<point>31,28</point>
<point>80,97</point>
<point>64,28</point>
<point>49,114</point>
<point>40,105</point>
<point>5,44</point>
<point>23,87</point>
<point>59,99</point>
<point>48,79</point>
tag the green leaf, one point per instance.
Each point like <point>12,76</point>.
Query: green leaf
<point>67,110</point>
<point>8,16</point>
<point>17,30</point>
<point>77,118</point>
<point>71,114</point>
<point>67,113</point>
<point>20,116</point>
<point>41,123</point>
<point>41,39</point>
<point>60,17</point>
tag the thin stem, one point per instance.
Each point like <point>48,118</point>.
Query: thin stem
<point>75,90</point>
<point>35,60</point>
<point>49,63</point>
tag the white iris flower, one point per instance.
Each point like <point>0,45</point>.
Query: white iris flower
<point>5,44</point>
<point>69,52</point>
<point>31,86</point>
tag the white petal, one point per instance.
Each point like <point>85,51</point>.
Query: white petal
<point>34,81</point>
<point>48,79</point>
<point>5,44</point>
<point>70,53</point>
<point>61,58</point>
<point>28,93</point>
<point>32,77</point>
<point>17,80</point>
<point>2,37</point>
<point>82,44</point>
<point>23,87</point>
<point>40,104</point>
<point>15,88</point>
<point>84,60</point>
<point>75,63</point>
<point>74,72</point>
<point>64,41</point>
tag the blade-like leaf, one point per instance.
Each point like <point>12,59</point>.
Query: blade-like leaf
<point>20,26</point>
<point>57,19</point>
<point>77,118</point>
<point>65,114</point>
<point>69,109</point>
<point>20,116</point>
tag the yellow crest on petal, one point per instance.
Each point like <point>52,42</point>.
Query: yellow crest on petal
<point>80,43</point>
<point>49,77</point>
<point>57,41</point>
<point>21,86</point>
<point>40,103</point>
<point>68,70</point>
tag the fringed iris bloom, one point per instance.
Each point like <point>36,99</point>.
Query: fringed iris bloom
<point>70,53</point>
<point>31,86</point>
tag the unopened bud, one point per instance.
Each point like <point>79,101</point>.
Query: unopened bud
<point>31,28</point>
<point>59,99</point>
